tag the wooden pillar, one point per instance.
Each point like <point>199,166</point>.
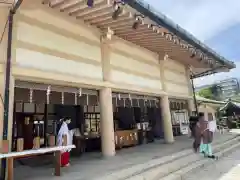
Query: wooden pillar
<point>165,105</point>
<point>10,168</point>
<point>106,123</point>
<point>106,110</point>
<point>105,54</point>
<point>167,121</point>
<point>57,163</point>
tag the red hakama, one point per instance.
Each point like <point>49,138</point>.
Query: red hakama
<point>65,159</point>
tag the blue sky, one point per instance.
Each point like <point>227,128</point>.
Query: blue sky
<point>215,22</point>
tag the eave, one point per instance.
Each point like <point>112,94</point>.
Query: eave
<point>163,21</point>
<point>155,32</point>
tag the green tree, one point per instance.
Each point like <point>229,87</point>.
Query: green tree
<point>206,93</point>
<point>216,92</point>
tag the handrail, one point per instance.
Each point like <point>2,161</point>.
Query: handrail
<point>36,151</point>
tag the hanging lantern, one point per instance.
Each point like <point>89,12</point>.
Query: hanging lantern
<point>87,99</point>
<point>185,46</point>
<point>48,94</point>
<point>116,102</point>
<point>90,3</point>
<point>62,98</point>
<point>129,97</point>
<point>138,103</point>
<point>201,57</point>
<point>97,103</point>
<point>138,20</point>
<point>155,28</point>
<point>145,101</point>
<point>136,24</point>
<point>190,69</point>
<point>117,9</point>
<point>193,52</point>
<point>174,105</point>
<point>80,92</point>
<point>109,33</point>
<point>178,105</point>
<point>174,41</point>
<point>156,103</point>
<point>119,96</point>
<point>75,99</point>
<point>168,36</point>
<point>192,55</point>
<point>182,45</point>
<point>31,95</point>
<point>165,57</point>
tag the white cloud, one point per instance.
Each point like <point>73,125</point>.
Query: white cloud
<point>203,18</point>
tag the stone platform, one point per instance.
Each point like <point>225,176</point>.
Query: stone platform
<point>92,165</point>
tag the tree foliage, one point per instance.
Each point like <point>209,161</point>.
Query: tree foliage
<point>206,93</point>
<point>213,92</point>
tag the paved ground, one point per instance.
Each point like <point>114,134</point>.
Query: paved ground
<point>93,165</point>
<point>227,168</point>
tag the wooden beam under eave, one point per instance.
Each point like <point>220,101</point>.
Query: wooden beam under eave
<point>121,18</point>
<point>46,1</point>
<point>94,13</point>
<point>70,6</point>
<point>86,10</point>
<point>101,16</point>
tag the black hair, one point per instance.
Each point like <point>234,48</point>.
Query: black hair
<point>60,122</point>
<point>193,118</point>
<point>193,121</point>
<point>201,114</point>
<point>64,119</point>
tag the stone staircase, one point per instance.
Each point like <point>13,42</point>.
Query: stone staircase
<point>172,167</point>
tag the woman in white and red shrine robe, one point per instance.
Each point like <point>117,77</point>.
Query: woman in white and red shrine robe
<point>64,131</point>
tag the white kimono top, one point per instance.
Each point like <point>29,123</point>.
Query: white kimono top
<point>65,131</point>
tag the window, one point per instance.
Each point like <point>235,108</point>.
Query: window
<point>210,116</point>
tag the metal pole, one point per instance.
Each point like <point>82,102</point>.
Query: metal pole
<point>7,77</point>
<point>6,90</point>
<point>194,96</point>
<point>7,81</point>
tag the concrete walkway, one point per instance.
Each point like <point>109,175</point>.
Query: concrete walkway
<point>233,174</point>
<point>227,168</point>
<point>92,165</point>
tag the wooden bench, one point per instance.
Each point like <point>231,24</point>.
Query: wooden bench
<point>34,152</point>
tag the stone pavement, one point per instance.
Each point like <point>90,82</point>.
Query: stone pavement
<point>92,165</point>
<point>235,131</point>
<point>233,174</point>
<point>227,168</point>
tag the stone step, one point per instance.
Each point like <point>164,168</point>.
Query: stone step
<point>169,168</point>
<point>221,151</point>
<point>161,167</point>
